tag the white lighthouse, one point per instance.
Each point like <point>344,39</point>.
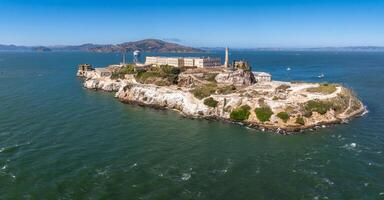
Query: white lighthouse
<point>226,63</point>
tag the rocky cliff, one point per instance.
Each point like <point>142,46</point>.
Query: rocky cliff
<point>280,106</point>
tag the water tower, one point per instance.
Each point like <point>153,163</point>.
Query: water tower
<point>136,56</point>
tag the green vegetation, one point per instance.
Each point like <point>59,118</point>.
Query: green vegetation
<point>275,98</point>
<point>204,90</point>
<point>120,73</point>
<point>282,87</point>
<point>163,75</point>
<point>228,89</point>
<point>263,113</point>
<point>300,120</point>
<point>170,70</point>
<point>210,102</point>
<point>211,88</point>
<point>210,77</point>
<point>324,88</point>
<point>317,106</point>
<point>283,116</point>
<point>240,114</point>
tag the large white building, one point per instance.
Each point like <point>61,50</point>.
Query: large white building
<point>183,61</point>
<point>207,62</point>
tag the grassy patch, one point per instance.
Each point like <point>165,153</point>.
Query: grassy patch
<point>163,75</point>
<point>210,77</point>
<point>240,114</point>
<point>300,120</point>
<point>317,106</point>
<point>282,87</point>
<point>211,88</point>
<point>120,73</point>
<point>228,89</point>
<point>283,116</point>
<point>275,98</point>
<point>263,113</point>
<point>324,88</point>
<point>204,90</point>
<point>210,102</point>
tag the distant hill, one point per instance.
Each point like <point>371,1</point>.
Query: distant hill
<point>148,45</point>
<point>340,49</point>
<point>13,48</point>
<point>41,48</point>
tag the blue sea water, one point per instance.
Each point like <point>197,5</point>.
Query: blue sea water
<point>61,141</point>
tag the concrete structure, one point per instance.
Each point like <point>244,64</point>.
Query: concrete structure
<point>262,77</point>
<point>181,61</point>
<point>207,62</point>
<point>83,68</point>
<point>189,62</point>
<point>172,61</point>
<point>226,63</point>
<point>136,56</point>
<point>241,64</point>
<point>103,72</point>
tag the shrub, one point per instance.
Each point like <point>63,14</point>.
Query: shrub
<point>282,87</point>
<point>300,120</point>
<point>167,69</point>
<point>210,77</point>
<point>204,90</point>
<point>324,88</point>
<point>228,89</point>
<point>240,114</point>
<point>210,102</point>
<point>263,113</point>
<point>275,98</point>
<point>283,116</point>
<point>318,106</point>
<point>145,75</point>
<point>210,88</point>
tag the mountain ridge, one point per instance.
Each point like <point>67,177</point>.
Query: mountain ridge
<point>146,45</point>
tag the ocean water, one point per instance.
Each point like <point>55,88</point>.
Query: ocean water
<point>61,141</point>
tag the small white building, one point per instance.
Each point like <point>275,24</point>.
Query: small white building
<point>262,77</point>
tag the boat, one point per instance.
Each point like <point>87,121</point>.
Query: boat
<point>320,76</point>
<point>288,69</point>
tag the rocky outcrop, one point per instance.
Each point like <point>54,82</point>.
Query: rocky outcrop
<point>188,105</point>
<point>101,84</point>
<point>238,78</point>
<point>157,96</point>
<point>341,104</point>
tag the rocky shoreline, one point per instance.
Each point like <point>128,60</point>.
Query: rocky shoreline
<point>289,103</point>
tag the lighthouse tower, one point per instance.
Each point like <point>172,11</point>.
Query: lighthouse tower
<point>226,64</point>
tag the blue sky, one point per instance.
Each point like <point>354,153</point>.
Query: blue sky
<point>211,23</point>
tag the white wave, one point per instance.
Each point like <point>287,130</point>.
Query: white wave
<point>329,182</point>
<point>134,165</point>
<point>185,176</point>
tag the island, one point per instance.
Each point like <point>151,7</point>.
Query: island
<point>202,87</point>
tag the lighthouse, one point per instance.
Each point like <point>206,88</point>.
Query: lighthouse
<point>226,64</point>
